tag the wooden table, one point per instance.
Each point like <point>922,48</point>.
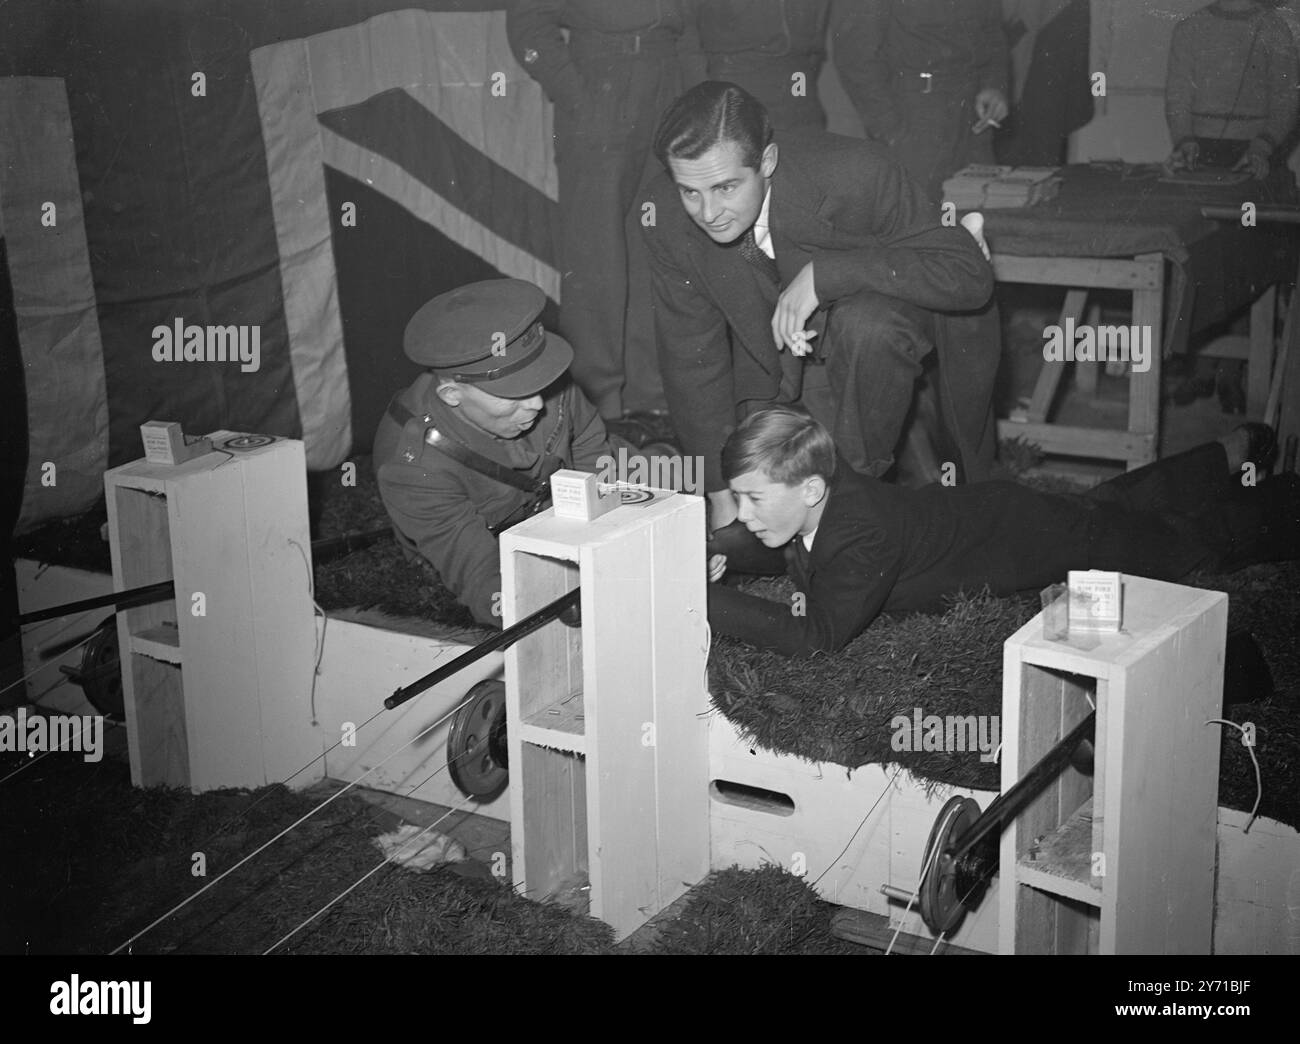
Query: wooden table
<point>1125,229</point>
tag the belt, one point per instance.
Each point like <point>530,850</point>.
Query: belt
<point>942,79</point>
<point>810,59</point>
<point>585,43</point>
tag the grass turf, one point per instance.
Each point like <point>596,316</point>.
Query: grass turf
<point>91,860</point>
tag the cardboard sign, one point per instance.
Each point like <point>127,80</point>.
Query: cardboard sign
<point>1096,601</point>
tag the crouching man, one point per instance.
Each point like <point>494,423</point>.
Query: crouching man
<point>468,449</point>
<point>857,547</point>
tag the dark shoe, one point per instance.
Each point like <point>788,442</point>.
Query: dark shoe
<point>1262,449</point>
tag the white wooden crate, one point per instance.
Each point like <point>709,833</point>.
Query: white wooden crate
<point>829,803</point>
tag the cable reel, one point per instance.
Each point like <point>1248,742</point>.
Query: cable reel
<point>100,671</point>
<point>477,756</point>
<point>961,854</point>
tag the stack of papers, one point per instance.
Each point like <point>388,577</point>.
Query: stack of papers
<point>995,187</point>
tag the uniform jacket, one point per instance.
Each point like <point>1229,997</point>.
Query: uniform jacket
<point>845,205</point>
<point>881,40</point>
<point>441,509</point>
<point>769,27</point>
<point>534,29</point>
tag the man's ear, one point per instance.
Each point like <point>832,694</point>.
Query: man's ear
<point>449,392</point>
<point>767,165</point>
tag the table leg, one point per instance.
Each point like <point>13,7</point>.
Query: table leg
<point>1049,377</point>
<point>1259,368</point>
<point>1087,373</point>
<point>1144,389</point>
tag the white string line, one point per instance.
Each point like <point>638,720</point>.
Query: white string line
<point>302,819</point>
<point>368,874</point>
<point>52,662</point>
<point>380,810</point>
<point>320,640</point>
<point>1259,780</point>
<point>57,750</point>
<point>934,852</point>
<point>325,753</point>
<point>888,787</point>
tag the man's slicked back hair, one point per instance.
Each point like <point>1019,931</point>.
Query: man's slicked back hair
<point>783,442</point>
<point>709,113</point>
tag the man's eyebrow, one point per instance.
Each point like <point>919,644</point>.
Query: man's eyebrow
<point>717,184</point>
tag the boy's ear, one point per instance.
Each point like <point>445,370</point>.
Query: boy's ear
<point>814,488</point>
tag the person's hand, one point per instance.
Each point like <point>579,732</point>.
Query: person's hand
<point>990,108</point>
<point>1255,160</point>
<point>797,302</point>
<point>722,509</point>
<point>717,566</point>
<point>1184,156</point>
<point>974,224</point>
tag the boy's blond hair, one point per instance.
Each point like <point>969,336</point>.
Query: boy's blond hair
<point>783,442</point>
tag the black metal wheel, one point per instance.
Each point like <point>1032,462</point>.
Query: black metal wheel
<point>100,672</point>
<point>476,747</point>
<point>941,899</point>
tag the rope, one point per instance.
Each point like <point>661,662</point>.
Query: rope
<point>364,877</point>
<point>261,848</point>
<point>1259,779</point>
<point>48,663</point>
<point>929,864</point>
<point>33,761</point>
<point>863,822</point>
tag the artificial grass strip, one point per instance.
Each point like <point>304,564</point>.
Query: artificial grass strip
<point>94,860</point>
<point>763,911</point>
<point>838,708</point>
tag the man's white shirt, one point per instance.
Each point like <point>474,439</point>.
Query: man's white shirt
<point>762,231</point>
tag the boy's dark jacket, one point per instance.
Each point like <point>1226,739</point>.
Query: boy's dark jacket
<point>883,548</point>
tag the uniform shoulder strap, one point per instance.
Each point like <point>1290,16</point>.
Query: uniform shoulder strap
<point>462,454</point>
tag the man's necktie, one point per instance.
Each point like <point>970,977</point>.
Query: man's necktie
<point>753,253</point>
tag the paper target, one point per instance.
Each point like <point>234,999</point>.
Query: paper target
<point>247,442</point>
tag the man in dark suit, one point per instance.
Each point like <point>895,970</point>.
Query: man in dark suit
<point>857,547</point>
<point>750,243</point>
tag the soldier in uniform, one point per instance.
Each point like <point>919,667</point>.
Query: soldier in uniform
<point>467,450</point>
<point>928,77</point>
<point>774,49</point>
<point>609,67</point>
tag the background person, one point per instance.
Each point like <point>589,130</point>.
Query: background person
<point>928,78</point>
<point>774,49</point>
<point>1230,96</point>
<point>609,67</point>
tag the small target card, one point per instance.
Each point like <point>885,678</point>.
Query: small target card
<point>1096,600</point>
